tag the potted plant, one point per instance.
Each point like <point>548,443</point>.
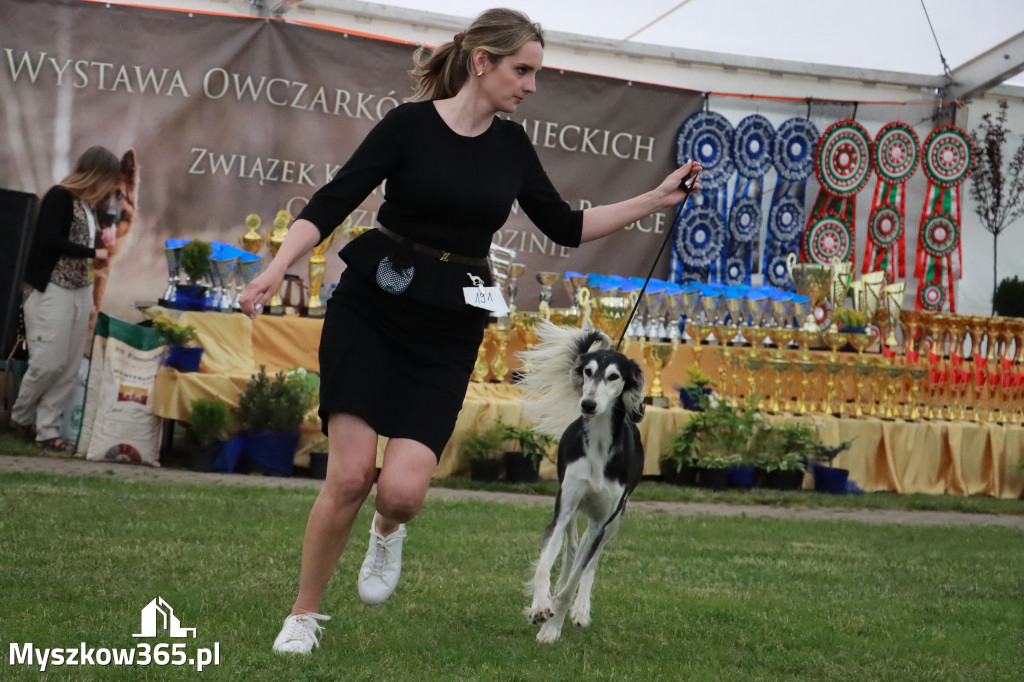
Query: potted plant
<point>827,478</point>
<point>482,447</point>
<point>184,353</point>
<point>716,440</point>
<point>195,261</point>
<point>851,320</point>
<point>270,413</point>
<point>783,451</point>
<point>207,422</point>
<point>697,393</point>
<point>523,465</point>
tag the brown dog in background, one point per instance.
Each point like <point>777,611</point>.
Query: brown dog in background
<point>115,217</point>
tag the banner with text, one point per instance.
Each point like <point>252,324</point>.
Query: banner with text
<point>237,115</point>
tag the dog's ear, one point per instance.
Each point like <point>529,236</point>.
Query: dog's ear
<point>633,393</point>
<point>129,167</point>
<point>591,342</point>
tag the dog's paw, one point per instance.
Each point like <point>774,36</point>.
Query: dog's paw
<point>539,614</point>
<point>549,632</point>
<point>580,618</point>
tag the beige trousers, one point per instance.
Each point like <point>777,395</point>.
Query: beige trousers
<point>56,323</point>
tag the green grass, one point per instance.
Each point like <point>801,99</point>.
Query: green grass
<point>676,598</point>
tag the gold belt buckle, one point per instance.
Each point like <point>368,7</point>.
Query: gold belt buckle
<point>444,256</point>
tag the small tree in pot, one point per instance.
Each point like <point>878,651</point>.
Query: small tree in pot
<point>482,447</point>
<point>208,423</point>
<point>782,451</point>
<point>523,465</point>
<point>827,478</point>
<point>270,413</point>
<point>184,353</point>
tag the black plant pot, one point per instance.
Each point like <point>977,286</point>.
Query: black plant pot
<point>318,465</point>
<point>485,470</point>
<point>742,476</point>
<point>830,479</point>
<point>713,479</point>
<point>684,475</point>
<point>203,457</point>
<point>519,468</point>
<point>784,480</point>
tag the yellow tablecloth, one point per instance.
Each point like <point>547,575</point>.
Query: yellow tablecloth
<point>959,458</point>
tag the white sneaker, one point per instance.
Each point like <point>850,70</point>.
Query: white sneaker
<point>382,566</point>
<point>300,633</point>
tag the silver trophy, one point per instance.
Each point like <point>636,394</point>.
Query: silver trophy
<point>172,251</point>
<point>223,272</point>
<point>248,267</point>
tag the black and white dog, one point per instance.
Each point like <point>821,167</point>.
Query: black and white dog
<point>574,376</point>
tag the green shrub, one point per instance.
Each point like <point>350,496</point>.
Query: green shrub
<point>716,438</point>
<point>483,443</point>
<point>277,405</point>
<point>1008,298</point>
<point>174,333</point>
<point>532,443</point>
<point>208,420</point>
<point>195,259</point>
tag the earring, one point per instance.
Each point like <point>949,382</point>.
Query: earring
<point>479,73</point>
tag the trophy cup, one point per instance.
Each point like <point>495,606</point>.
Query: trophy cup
<point>805,338</point>
<point>910,320</point>
<point>277,235</point>
<point>698,332</point>
<point>499,368</point>
<point>780,400</point>
<point>834,340</point>
<point>812,280</point>
<point>223,270</point>
<point>481,368</point>
<point>315,307</point>
<point>917,376</point>
<point>657,356</point>
<point>546,281</point>
<point>754,365</point>
<point>737,308</point>
<point>515,271</point>
<point>895,375</point>
<point>525,324</point>
<point>249,266</point>
<point>863,371</point>
<point>834,368</point>
<point>655,302</point>
<point>806,367</point>
<point>690,301</point>
<point>566,317</point>
<point>251,241</point>
<point>894,304</point>
<point>172,251</point>
<point>673,296</point>
<point>610,314</point>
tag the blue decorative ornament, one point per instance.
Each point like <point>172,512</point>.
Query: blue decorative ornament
<point>700,239</point>
<point>777,272</point>
<point>706,137</point>
<point>793,149</point>
<point>735,271</point>
<point>752,146</point>
<point>786,219</point>
<point>745,219</point>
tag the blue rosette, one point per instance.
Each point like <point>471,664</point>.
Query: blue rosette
<point>706,137</point>
<point>752,146</point>
<point>745,219</point>
<point>786,219</point>
<point>776,271</point>
<point>793,149</point>
<point>700,237</point>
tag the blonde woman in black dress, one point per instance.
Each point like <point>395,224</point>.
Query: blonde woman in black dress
<point>399,341</point>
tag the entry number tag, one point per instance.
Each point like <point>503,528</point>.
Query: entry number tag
<point>488,298</point>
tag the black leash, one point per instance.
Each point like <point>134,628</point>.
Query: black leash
<point>668,235</point>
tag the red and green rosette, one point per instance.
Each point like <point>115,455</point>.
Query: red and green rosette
<point>842,163</point>
<point>946,157</point>
<point>895,157</point>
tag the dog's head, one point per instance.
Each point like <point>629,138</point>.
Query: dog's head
<point>602,377</point>
<point>119,205</point>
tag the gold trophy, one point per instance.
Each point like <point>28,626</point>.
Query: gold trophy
<point>317,267</point>
<point>610,315</point>
<point>546,281</point>
<point>780,398</point>
<point>918,375</point>
<point>812,280</point>
<point>525,324</point>
<point>835,368</point>
<point>657,356</point>
<point>910,320</point>
<point>500,334</point>
<point>806,367</point>
<point>481,368</point>
<point>251,241</point>
<point>755,364</point>
<point>863,371</point>
<point>274,241</point>
<point>895,375</point>
<point>698,332</point>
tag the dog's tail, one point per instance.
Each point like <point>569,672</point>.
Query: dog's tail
<point>549,398</point>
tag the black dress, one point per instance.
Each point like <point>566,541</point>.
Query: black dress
<point>402,361</point>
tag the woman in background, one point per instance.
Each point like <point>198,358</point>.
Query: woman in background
<point>57,294</point>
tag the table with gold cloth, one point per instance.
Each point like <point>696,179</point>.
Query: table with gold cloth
<point>937,457</point>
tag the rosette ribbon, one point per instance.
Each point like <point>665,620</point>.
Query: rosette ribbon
<point>793,158</point>
<point>842,163</point>
<point>700,234</point>
<point>895,157</point>
<point>946,158</point>
<point>752,155</point>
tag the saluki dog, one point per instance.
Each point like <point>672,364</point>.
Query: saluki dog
<point>574,376</point>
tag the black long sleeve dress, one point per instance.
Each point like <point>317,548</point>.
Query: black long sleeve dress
<point>402,362</point>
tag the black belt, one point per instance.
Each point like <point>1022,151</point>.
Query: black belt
<point>443,256</point>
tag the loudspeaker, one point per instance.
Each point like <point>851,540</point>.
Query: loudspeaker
<point>17,213</point>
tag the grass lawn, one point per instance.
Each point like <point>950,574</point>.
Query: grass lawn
<point>676,598</point>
